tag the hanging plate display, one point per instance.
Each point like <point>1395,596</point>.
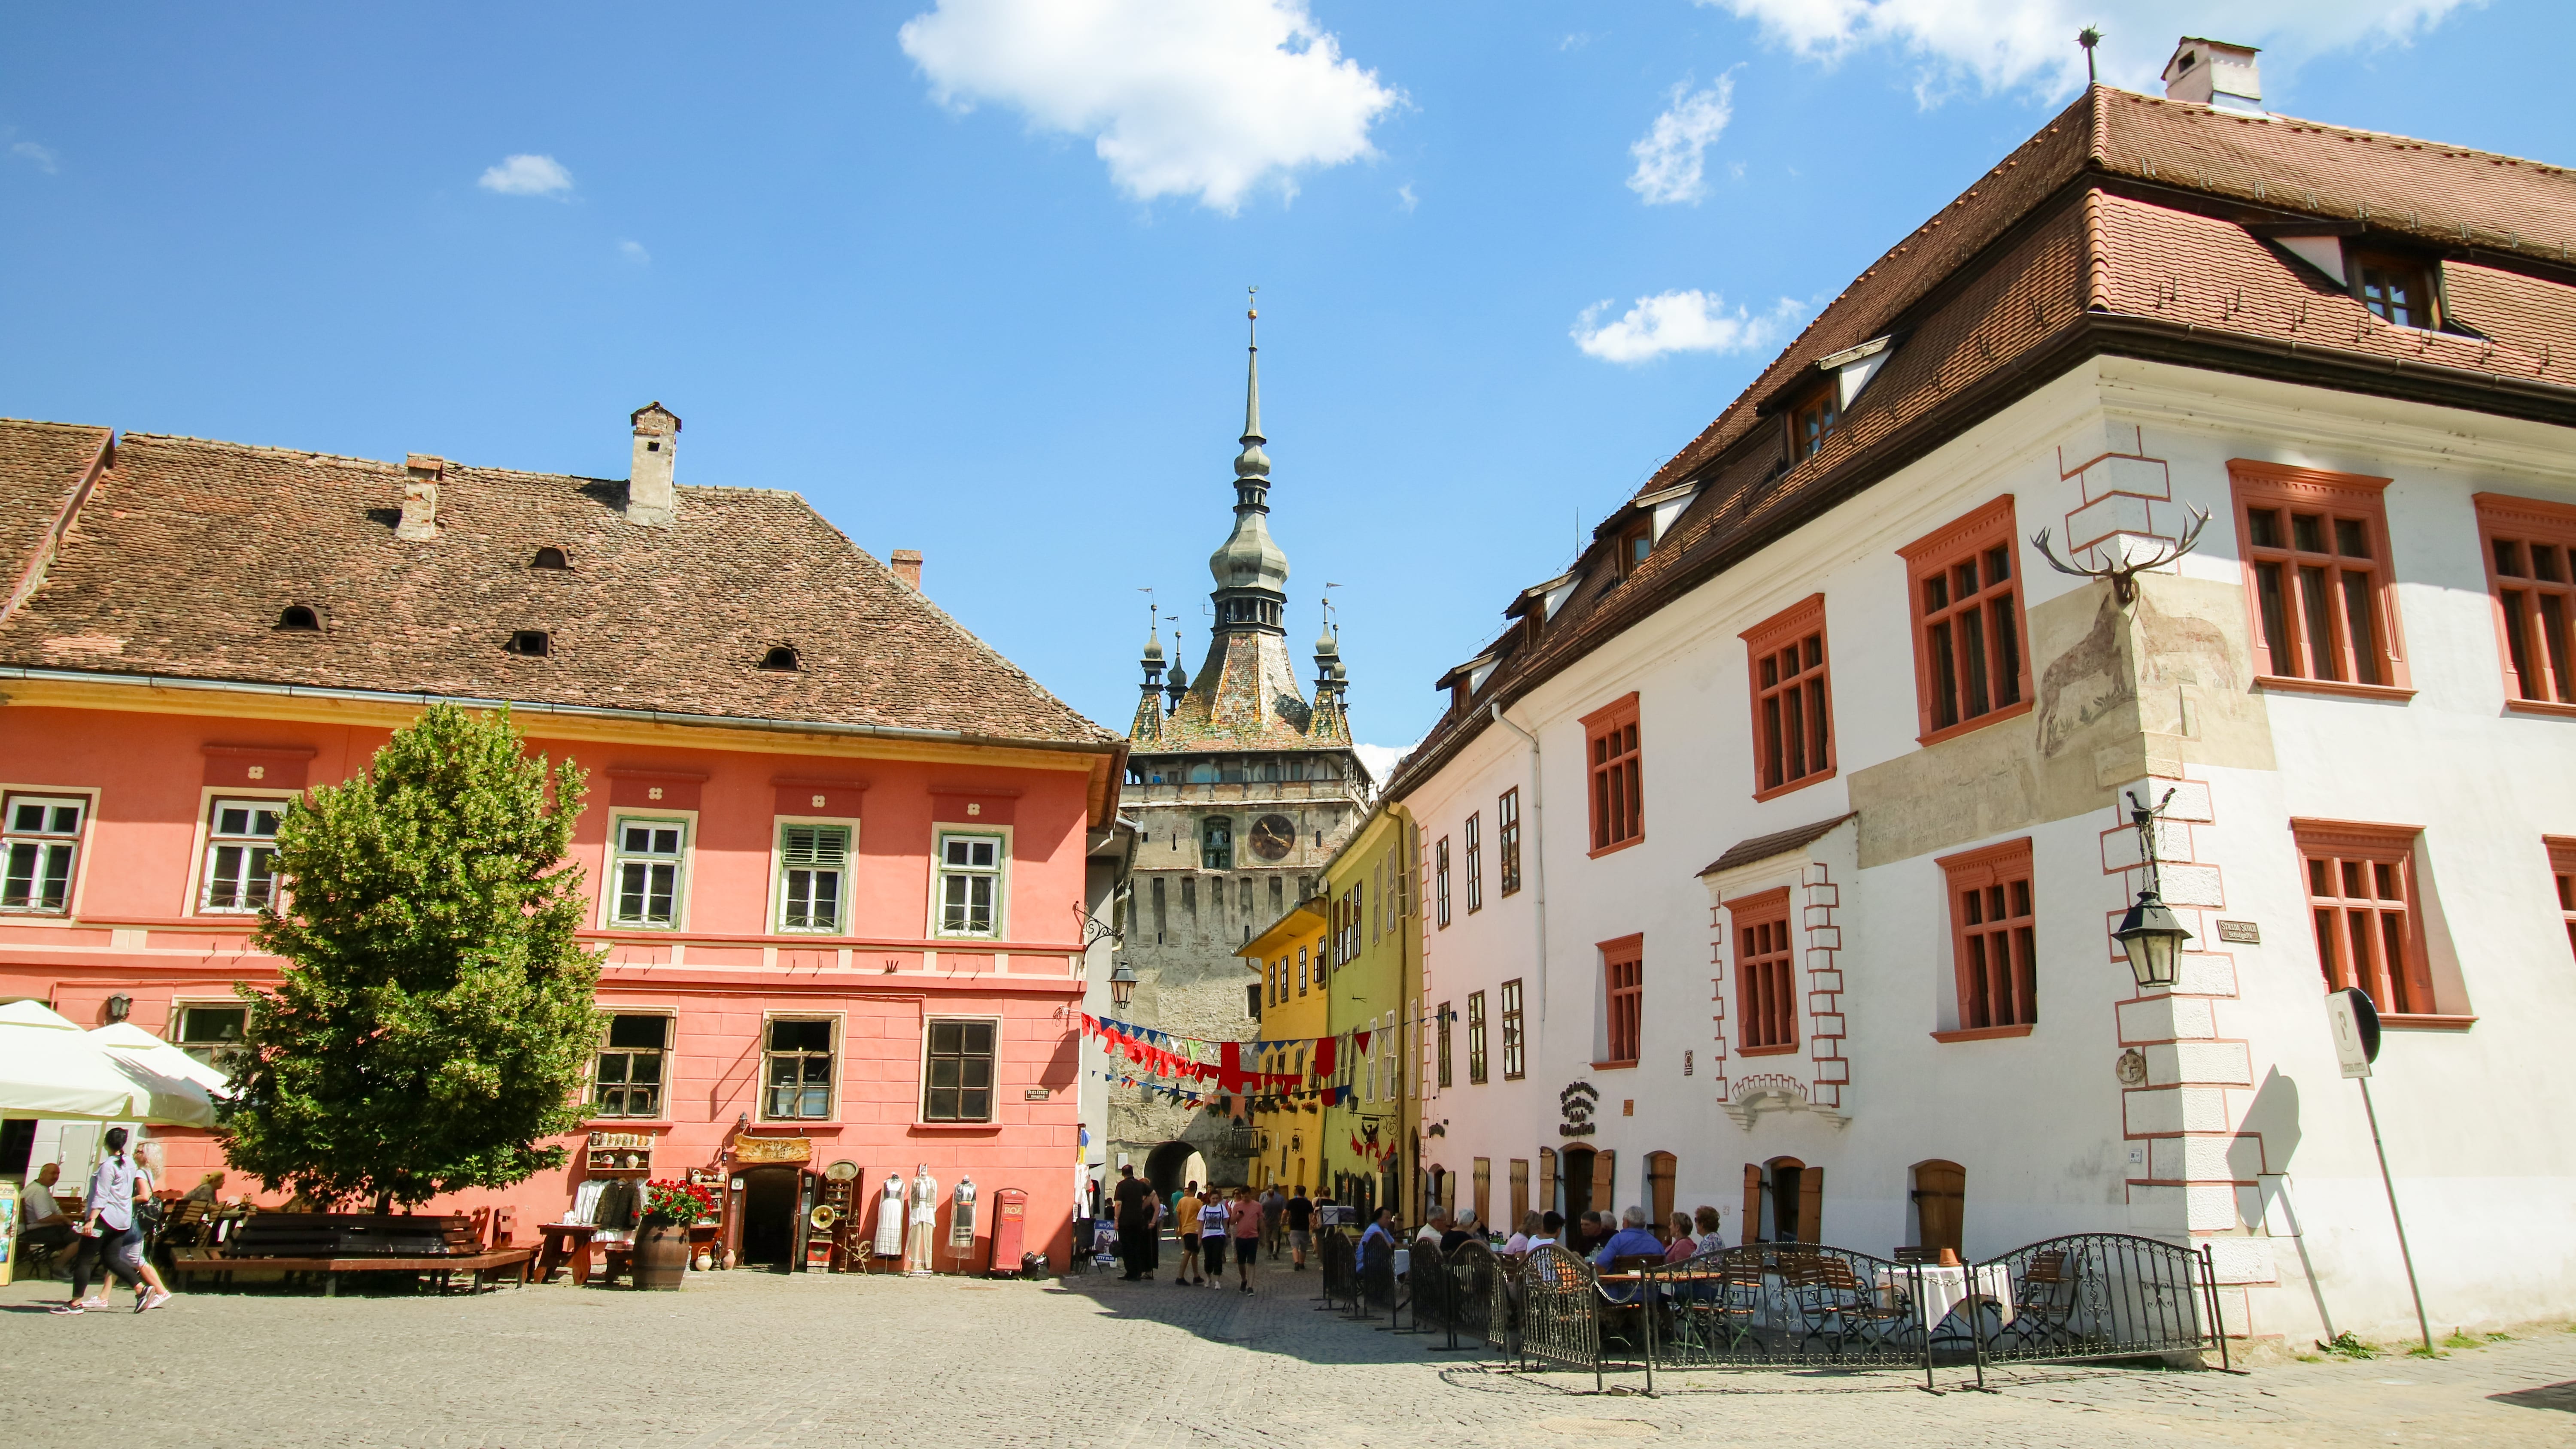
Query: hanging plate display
<point>842,1171</point>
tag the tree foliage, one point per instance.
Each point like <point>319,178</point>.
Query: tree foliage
<point>435,1014</point>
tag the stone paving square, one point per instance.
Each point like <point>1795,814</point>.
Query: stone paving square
<point>740,1359</point>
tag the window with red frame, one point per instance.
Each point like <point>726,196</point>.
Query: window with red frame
<point>1618,792</point>
<point>2316,571</point>
<point>1793,731</point>
<point>1766,987</point>
<point>1635,542</point>
<point>2361,898</point>
<point>1623,981</point>
<point>1813,421</point>
<point>2562,867</point>
<point>1969,664</point>
<point>2531,569</point>
<point>1994,948</point>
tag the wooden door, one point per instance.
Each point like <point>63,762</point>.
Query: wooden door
<point>1547,1180</point>
<point>1660,1170</point>
<point>1484,1191</point>
<point>1940,1205</point>
<point>1748,1228</point>
<point>1605,1181</point>
<point>1811,1205</point>
<point>1520,1194</point>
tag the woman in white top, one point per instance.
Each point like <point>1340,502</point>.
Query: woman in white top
<point>1527,1238</point>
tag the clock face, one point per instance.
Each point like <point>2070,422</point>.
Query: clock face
<point>1272,835</point>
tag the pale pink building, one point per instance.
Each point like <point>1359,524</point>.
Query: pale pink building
<point>838,849</point>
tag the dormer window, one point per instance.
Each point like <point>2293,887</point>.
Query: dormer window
<point>550,558</point>
<point>1635,542</point>
<point>2395,289</point>
<point>297,619</point>
<point>1812,422</point>
<point>781,659</point>
<point>536,643</point>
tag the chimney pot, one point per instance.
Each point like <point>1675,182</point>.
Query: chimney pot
<point>2215,73</point>
<point>652,497</point>
<point>421,475</point>
<point>907,567</point>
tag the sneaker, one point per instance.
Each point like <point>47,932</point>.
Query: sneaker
<point>151,1301</point>
<point>67,1309</point>
<point>91,1302</point>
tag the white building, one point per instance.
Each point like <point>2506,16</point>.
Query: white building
<point>1771,856</point>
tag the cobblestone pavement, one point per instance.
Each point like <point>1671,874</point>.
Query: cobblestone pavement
<point>759,1359</point>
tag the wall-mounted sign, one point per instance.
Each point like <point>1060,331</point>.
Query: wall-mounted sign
<point>772,1149</point>
<point>1577,1102</point>
<point>1037,1094</point>
<point>2245,932</point>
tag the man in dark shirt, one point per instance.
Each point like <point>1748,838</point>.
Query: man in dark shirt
<point>1135,1223</point>
<point>1301,1225</point>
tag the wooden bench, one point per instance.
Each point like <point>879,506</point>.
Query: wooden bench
<point>188,1263</point>
<point>335,1243</point>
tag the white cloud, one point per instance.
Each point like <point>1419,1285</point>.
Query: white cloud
<point>526,176</point>
<point>1670,155</point>
<point>1381,760</point>
<point>1204,98</point>
<point>1687,321</point>
<point>2030,44</point>
<point>634,252</point>
<point>1405,197</point>
<point>42,156</point>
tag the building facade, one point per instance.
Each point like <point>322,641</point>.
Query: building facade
<point>1239,789</point>
<point>1366,1153</point>
<point>837,850</point>
<point>1826,768</point>
<point>1288,964</point>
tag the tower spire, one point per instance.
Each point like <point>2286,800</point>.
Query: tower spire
<point>1252,369</point>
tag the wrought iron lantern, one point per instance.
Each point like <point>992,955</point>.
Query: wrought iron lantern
<point>2150,932</point>
<point>1122,985</point>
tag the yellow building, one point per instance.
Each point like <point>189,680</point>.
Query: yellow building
<point>1287,961</point>
<point>1376,1018</point>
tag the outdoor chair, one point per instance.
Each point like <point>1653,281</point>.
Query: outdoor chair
<point>2044,1296</point>
<point>1832,1303</point>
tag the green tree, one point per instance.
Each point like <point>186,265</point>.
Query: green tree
<point>435,1014</point>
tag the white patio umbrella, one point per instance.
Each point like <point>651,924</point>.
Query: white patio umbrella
<point>183,1088</point>
<point>50,1068</point>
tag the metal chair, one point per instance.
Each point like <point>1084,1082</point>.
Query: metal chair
<point>2044,1296</point>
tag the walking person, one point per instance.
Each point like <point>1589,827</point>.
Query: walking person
<point>1215,1225</point>
<point>1187,1213</point>
<point>107,1229</point>
<point>1274,1220</point>
<point>1135,1209</point>
<point>1301,1228</point>
<point>1247,1235</point>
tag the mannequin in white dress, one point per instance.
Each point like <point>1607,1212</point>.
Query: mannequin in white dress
<point>925,1214</point>
<point>889,1242</point>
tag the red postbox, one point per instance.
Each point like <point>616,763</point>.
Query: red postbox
<point>1010,1216</point>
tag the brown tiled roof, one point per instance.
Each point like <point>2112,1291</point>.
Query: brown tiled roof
<point>2122,227</point>
<point>42,466</point>
<point>187,551</point>
<point>1779,842</point>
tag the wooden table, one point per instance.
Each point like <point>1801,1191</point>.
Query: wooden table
<point>566,1243</point>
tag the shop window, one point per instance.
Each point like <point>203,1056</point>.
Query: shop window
<point>241,844</point>
<point>1618,791</point>
<point>1992,941</point>
<point>39,838</point>
<point>970,884</point>
<point>960,1078</point>
<point>1475,863</point>
<point>212,1033</point>
<point>1440,880</point>
<point>1476,1038</point>
<point>2531,571</point>
<point>813,866</point>
<point>1793,732</point>
<point>2562,870</point>
<point>1766,976</point>
<point>1970,668</point>
<point>1512,1042</point>
<point>1216,843</point>
<point>1442,1026</point>
<point>1507,839</point>
<point>2361,900</point>
<point>646,869</point>
<point>799,1070</point>
<point>2315,547</point>
<point>629,1078</point>
<point>1623,998</point>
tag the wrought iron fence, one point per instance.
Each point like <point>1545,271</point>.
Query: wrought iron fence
<point>2101,1295</point>
<point>1785,1304</point>
<point>1376,1283</point>
<point>1560,1317</point>
<point>1333,1257</point>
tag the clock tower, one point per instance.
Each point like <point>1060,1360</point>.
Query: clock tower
<point>1240,789</point>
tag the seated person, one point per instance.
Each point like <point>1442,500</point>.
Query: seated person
<point>206,1189</point>
<point>1683,1246</point>
<point>1378,1239</point>
<point>41,1222</point>
<point>1433,1227</point>
<point>1527,1238</point>
<point>1633,1240</point>
<point>1710,1239</point>
<point>1465,1228</point>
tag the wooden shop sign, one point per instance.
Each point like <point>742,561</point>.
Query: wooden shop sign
<point>773,1149</point>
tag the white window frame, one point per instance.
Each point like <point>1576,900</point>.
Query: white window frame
<point>45,841</point>
<point>833,1022</point>
<point>993,1100</point>
<point>779,866</point>
<point>686,821</point>
<point>941,833</point>
<point>179,1009</point>
<point>670,1055</point>
<point>216,800</point>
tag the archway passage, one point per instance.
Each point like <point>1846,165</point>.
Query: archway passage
<point>1167,1167</point>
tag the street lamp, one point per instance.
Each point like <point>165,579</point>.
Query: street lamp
<point>1122,985</point>
<point>2150,933</point>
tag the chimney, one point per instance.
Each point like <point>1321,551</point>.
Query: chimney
<point>907,567</point>
<point>421,473</point>
<point>2215,73</point>
<point>651,497</point>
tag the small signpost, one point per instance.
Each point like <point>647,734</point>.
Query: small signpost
<point>2355,1022</point>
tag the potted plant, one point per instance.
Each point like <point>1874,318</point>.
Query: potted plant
<point>662,1240</point>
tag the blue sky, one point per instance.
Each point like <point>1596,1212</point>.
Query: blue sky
<point>975,286</point>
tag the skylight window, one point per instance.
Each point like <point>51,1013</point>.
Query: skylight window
<point>536,643</point>
<point>298,619</point>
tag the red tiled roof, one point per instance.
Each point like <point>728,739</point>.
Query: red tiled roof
<point>187,551</point>
<point>41,469</point>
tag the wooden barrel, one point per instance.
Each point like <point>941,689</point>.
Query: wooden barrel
<point>661,1255</point>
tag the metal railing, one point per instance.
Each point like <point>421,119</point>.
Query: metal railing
<point>2102,1295</point>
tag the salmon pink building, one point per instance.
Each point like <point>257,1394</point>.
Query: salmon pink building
<point>836,847</point>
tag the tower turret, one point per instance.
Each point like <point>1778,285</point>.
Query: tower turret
<point>1251,573</point>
